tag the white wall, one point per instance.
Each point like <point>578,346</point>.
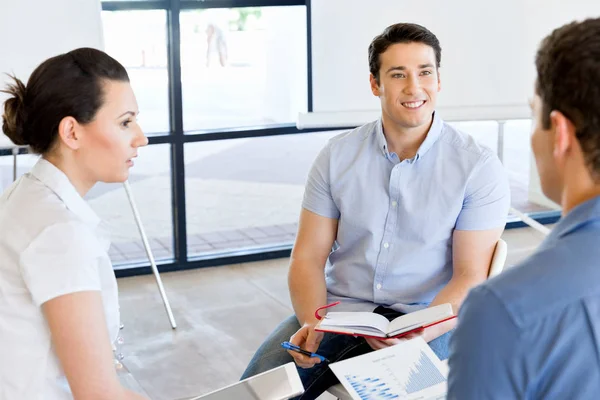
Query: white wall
<point>488,50</point>
<point>286,66</point>
<point>34,30</point>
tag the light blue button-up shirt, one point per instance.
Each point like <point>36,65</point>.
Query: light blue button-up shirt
<point>396,217</point>
<point>533,332</point>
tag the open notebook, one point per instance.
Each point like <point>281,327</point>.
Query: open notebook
<point>374,325</point>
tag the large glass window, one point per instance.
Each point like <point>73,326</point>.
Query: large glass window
<point>518,160</point>
<point>516,156</point>
<point>22,162</point>
<point>247,193</point>
<point>150,181</point>
<point>138,40</point>
<point>243,66</point>
<point>231,79</point>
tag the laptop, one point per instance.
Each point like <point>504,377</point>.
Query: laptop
<point>280,383</point>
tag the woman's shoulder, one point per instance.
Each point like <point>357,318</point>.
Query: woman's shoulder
<point>29,208</point>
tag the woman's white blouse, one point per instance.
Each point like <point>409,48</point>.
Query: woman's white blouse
<point>51,244</point>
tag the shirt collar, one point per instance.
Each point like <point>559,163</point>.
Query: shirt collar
<point>579,216</point>
<point>432,136</point>
<point>58,182</point>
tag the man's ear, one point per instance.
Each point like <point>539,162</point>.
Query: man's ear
<point>439,88</point>
<point>68,132</point>
<point>564,135</point>
<point>374,85</point>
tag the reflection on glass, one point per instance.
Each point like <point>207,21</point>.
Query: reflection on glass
<point>24,162</point>
<point>246,193</point>
<point>150,182</point>
<point>138,40</point>
<point>517,160</point>
<point>243,66</point>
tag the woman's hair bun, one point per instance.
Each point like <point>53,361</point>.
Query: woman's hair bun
<point>13,119</point>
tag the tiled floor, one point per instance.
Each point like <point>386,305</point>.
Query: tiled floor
<point>124,251</point>
<point>223,314</point>
<point>203,243</point>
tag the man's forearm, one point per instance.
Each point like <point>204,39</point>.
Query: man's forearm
<point>307,290</point>
<point>454,293</point>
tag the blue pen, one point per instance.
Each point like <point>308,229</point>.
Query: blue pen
<point>293,347</point>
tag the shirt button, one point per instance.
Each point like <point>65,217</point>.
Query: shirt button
<point>379,286</point>
<point>394,203</point>
<point>386,245</point>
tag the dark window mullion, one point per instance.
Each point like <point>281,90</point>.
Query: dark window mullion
<point>309,56</point>
<point>195,4</point>
<point>134,5</point>
<point>176,123</point>
<point>177,138</point>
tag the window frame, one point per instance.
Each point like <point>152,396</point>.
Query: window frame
<point>177,138</point>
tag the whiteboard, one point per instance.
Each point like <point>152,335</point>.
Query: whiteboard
<point>488,51</point>
<point>33,30</point>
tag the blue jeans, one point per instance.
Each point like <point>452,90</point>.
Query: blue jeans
<point>334,347</point>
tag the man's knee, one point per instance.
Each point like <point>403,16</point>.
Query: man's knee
<point>270,354</point>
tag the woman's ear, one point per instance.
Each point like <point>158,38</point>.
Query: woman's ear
<point>68,132</point>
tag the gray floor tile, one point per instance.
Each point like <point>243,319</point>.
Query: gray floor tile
<point>274,230</point>
<point>254,233</point>
<point>200,248</point>
<point>195,240</point>
<point>235,244</point>
<point>234,235</point>
<point>213,237</point>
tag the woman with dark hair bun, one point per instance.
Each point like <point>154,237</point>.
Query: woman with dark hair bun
<point>59,312</point>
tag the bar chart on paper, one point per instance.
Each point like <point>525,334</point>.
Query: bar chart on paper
<point>409,370</point>
<point>423,375</point>
<point>371,388</point>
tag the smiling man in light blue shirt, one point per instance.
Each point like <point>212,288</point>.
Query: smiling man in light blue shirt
<point>411,207</point>
<point>534,331</point>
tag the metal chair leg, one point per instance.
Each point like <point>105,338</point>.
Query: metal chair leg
<point>531,222</point>
<point>15,153</point>
<point>138,221</point>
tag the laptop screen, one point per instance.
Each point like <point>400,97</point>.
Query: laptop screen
<point>276,384</point>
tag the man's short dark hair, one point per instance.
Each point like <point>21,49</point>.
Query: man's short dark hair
<point>568,80</point>
<point>401,33</point>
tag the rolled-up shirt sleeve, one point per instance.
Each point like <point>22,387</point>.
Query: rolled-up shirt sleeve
<point>62,259</point>
<point>317,193</point>
<point>487,197</point>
